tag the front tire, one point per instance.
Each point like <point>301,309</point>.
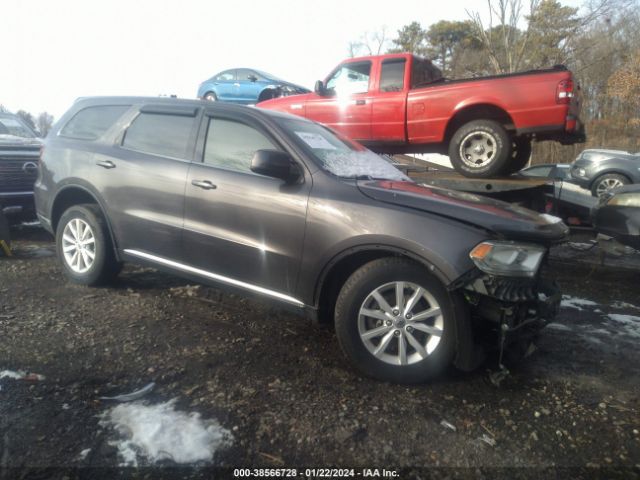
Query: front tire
<point>84,246</point>
<point>396,322</point>
<point>210,96</point>
<point>607,182</point>
<point>480,149</point>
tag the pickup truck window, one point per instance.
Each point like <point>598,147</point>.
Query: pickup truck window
<point>392,76</point>
<point>231,145</point>
<point>92,122</point>
<point>159,134</point>
<point>424,72</point>
<point>339,155</point>
<point>350,78</point>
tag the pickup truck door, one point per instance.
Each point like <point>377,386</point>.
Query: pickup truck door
<point>242,228</point>
<point>389,106</point>
<point>348,104</point>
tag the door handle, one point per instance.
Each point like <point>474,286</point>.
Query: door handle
<point>361,102</point>
<point>106,164</point>
<point>204,184</point>
<point>236,84</point>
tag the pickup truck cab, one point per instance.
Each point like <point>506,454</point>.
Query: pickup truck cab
<point>400,103</point>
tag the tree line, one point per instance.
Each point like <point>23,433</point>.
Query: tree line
<point>599,42</point>
<point>41,124</point>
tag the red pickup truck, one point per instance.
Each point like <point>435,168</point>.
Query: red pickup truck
<point>400,103</point>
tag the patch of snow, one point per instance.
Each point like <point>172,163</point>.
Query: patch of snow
<point>630,323</point>
<point>618,305</point>
<point>577,303</point>
<point>559,326</point>
<point>20,375</point>
<point>83,454</point>
<point>159,432</point>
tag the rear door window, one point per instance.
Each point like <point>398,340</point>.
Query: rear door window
<point>231,144</point>
<point>160,134</point>
<point>92,122</point>
<point>392,75</point>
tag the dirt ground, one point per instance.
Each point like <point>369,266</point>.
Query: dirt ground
<point>284,390</point>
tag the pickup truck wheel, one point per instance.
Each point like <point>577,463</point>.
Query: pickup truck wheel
<point>84,246</point>
<point>607,182</point>
<point>395,321</point>
<point>520,156</point>
<point>212,97</point>
<point>480,149</point>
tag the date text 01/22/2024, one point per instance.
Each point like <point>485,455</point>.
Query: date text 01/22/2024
<point>314,473</point>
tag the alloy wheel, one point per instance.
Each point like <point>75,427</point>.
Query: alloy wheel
<point>78,245</point>
<point>400,323</point>
<point>607,184</point>
<point>478,149</point>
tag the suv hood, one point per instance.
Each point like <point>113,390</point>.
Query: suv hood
<point>504,219</point>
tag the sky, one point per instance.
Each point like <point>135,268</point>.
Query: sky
<point>55,51</point>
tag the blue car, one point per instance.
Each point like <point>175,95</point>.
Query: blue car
<point>246,86</point>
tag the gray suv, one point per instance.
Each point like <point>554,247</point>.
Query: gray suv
<point>275,205</point>
<point>603,170</point>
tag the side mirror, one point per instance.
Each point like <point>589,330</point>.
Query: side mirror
<point>276,164</point>
<point>252,78</point>
<point>320,88</point>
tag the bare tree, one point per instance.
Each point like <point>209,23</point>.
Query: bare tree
<point>369,43</point>
<point>44,122</point>
<point>503,41</point>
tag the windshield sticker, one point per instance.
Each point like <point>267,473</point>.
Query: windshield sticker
<point>315,141</point>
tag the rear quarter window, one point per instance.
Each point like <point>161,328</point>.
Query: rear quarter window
<point>92,122</point>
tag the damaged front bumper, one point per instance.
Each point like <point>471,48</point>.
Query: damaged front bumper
<point>515,308</point>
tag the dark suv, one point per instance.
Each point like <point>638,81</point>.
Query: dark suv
<point>282,207</point>
<point>19,157</point>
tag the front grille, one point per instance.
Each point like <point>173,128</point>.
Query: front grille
<point>12,176</point>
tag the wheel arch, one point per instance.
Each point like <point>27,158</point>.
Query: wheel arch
<point>71,195</point>
<point>342,265</point>
<point>267,93</point>
<point>477,111</point>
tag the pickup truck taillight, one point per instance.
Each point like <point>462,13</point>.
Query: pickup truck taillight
<point>564,91</point>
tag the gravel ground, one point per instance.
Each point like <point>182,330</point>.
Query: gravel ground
<point>283,389</point>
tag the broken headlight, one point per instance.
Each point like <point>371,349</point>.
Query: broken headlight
<point>508,259</point>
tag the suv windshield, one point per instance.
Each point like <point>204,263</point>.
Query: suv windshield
<point>13,127</point>
<point>339,155</point>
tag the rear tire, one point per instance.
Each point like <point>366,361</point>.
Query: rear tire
<point>210,96</point>
<point>520,156</point>
<point>385,339</point>
<point>607,182</point>
<point>480,149</point>
<point>84,246</point>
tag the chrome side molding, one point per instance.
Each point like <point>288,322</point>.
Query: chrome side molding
<point>215,276</point>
